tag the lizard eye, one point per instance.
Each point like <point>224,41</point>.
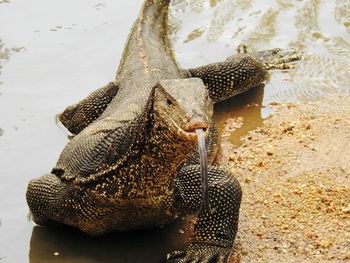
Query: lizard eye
<point>169,102</point>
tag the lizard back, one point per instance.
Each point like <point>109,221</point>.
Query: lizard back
<point>146,60</point>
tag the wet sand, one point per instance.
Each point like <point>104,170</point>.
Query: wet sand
<point>295,175</point>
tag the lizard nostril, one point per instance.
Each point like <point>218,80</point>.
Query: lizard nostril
<point>57,171</point>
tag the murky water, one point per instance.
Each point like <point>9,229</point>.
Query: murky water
<point>53,53</point>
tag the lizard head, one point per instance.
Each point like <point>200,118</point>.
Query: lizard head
<point>183,105</point>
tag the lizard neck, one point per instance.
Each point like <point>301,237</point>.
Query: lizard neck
<point>165,151</point>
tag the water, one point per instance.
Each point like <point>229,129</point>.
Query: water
<point>53,53</point>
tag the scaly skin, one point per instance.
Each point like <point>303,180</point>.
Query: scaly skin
<point>116,175</point>
<point>132,163</point>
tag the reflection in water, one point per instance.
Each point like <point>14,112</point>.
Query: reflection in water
<point>265,31</point>
<point>70,245</point>
<point>224,14</point>
<point>342,13</point>
<point>4,53</point>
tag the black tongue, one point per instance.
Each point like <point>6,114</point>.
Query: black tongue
<point>204,168</point>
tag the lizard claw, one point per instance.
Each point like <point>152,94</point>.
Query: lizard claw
<point>199,253</point>
<point>278,58</point>
<point>175,254</point>
<point>275,58</point>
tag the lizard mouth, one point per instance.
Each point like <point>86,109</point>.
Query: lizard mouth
<point>189,132</point>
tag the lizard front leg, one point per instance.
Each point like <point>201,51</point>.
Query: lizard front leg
<point>78,116</point>
<point>231,77</point>
<point>241,72</point>
<point>215,230</point>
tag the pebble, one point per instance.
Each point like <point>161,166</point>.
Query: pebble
<point>325,244</point>
<point>346,210</point>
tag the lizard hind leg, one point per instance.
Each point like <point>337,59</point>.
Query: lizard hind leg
<point>44,199</point>
<point>215,230</point>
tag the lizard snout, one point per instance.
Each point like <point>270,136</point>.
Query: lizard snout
<point>196,124</point>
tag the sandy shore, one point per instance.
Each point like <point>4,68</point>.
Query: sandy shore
<point>295,175</point>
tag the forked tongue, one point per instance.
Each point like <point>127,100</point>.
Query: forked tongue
<point>204,168</point>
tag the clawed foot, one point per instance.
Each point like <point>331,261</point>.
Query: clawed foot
<point>199,253</point>
<point>278,59</point>
<point>275,58</point>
